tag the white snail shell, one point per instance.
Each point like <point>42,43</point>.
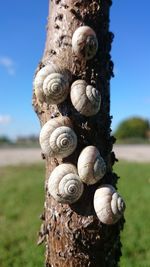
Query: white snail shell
<point>84,42</point>
<point>57,137</point>
<point>64,185</point>
<point>51,84</point>
<point>91,166</point>
<point>108,204</point>
<point>85,98</point>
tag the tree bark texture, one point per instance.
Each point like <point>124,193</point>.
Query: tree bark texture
<point>74,236</point>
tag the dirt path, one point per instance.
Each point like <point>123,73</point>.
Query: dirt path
<point>15,156</point>
<point>138,153</point>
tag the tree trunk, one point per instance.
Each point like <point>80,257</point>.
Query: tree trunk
<point>73,234</point>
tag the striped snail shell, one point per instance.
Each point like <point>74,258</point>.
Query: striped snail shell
<point>108,204</point>
<point>84,42</point>
<point>91,166</point>
<point>57,137</point>
<point>85,98</point>
<point>51,84</point>
<point>64,185</point>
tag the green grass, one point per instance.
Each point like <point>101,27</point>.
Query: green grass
<point>21,202</point>
<point>133,140</point>
<point>134,185</point>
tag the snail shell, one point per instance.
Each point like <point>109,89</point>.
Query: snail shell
<point>108,204</point>
<point>51,84</point>
<point>64,184</point>
<point>84,42</point>
<point>57,137</point>
<point>85,98</point>
<point>91,166</point>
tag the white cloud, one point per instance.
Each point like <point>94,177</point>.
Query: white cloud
<point>8,64</point>
<point>5,119</point>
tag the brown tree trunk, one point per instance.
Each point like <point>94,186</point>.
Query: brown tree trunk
<point>73,234</point>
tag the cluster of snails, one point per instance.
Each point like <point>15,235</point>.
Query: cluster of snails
<point>52,84</point>
<point>58,138</point>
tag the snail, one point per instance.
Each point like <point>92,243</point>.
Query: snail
<point>108,204</point>
<point>57,137</point>
<point>91,166</point>
<point>64,185</point>
<point>84,42</point>
<point>85,98</point>
<point>51,84</point>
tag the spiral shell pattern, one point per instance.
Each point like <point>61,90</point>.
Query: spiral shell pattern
<point>56,88</point>
<point>57,138</point>
<point>64,185</point>
<point>84,42</point>
<point>51,84</point>
<point>85,98</point>
<point>91,166</point>
<point>108,204</point>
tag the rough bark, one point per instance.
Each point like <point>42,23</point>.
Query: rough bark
<point>73,234</point>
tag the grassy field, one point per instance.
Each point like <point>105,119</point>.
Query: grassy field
<point>134,185</point>
<point>21,202</point>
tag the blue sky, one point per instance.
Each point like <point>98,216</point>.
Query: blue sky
<point>23,32</point>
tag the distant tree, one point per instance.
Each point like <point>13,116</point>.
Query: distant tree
<point>4,140</point>
<point>27,140</point>
<point>135,127</point>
